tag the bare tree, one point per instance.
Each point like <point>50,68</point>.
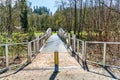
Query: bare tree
<point>75,15</point>
<point>9,19</point>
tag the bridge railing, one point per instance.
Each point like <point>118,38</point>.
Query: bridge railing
<point>14,55</point>
<point>102,53</point>
<point>61,33</point>
<point>77,46</point>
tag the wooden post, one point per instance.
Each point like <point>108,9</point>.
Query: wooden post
<point>34,47</point>
<point>83,48</point>
<point>6,51</point>
<point>84,51</point>
<point>77,46</point>
<point>29,52</point>
<point>84,56</point>
<point>74,41</point>
<point>43,41</point>
<point>38,47</point>
<point>69,39</point>
<point>104,55</point>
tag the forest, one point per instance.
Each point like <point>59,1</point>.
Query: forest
<point>19,22</point>
<point>93,20</point>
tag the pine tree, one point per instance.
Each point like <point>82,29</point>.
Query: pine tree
<point>23,15</point>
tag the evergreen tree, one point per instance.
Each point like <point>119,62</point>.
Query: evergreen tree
<point>23,15</point>
<point>41,10</point>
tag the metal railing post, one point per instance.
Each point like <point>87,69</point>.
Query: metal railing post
<point>104,55</point>
<point>6,51</point>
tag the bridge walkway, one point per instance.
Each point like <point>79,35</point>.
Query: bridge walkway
<point>42,67</point>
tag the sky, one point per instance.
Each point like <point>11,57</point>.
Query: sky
<point>50,4</point>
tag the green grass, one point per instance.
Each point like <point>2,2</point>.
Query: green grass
<point>17,37</point>
<point>38,33</point>
<point>54,32</point>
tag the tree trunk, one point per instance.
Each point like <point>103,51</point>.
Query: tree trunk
<point>75,16</point>
<point>9,20</point>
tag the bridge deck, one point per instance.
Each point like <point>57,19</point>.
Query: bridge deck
<point>42,67</point>
<point>54,43</point>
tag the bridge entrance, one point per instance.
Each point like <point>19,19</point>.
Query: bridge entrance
<point>42,67</point>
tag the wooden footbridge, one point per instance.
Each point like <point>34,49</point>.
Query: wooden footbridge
<point>77,59</point>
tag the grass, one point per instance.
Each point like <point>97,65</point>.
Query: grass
<point>38,33</point>
<point>54,32</point>
<point>17,37</point>
<point>85,34</point>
